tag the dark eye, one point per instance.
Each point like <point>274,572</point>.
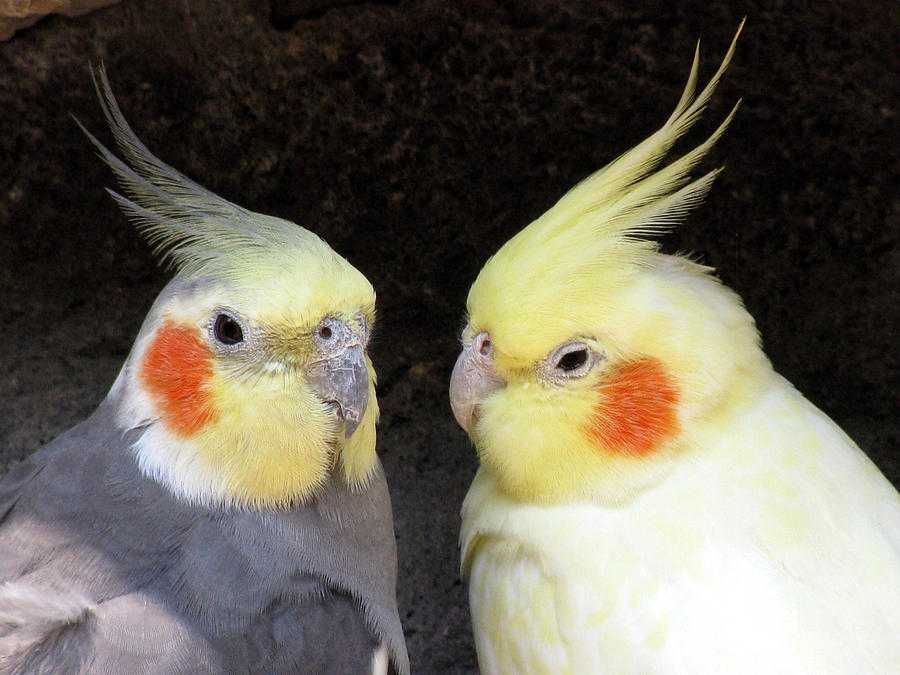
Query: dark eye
<point>572,360</point>
<point>325,332</point>
<point>227,330</point>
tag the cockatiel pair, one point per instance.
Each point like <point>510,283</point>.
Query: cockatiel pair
<point>652,496</point>
<point>223,510</point>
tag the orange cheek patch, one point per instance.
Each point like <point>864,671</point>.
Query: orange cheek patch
<point>176,370</point>
<point>636,409</point>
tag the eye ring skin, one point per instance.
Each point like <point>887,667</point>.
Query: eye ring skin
<point>550,370</point>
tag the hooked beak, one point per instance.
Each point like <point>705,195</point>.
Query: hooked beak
<point>473,380</point>
<point>341,377</point>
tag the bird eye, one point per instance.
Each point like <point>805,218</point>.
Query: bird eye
<point>569,361</point>
<point>325,332</point>
<point>227,330</point>
<point>572,360</point>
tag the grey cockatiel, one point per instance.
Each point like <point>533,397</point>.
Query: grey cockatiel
<point>223,510</point>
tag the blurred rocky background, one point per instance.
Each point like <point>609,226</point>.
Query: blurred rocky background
<point>416,137</point>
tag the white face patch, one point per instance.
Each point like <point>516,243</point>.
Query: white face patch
<point>135,409</point>
<point>177,464</point>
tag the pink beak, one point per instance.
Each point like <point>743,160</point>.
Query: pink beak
<point>473,380</point>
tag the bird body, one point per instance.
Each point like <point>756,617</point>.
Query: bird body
<point>652,496</point>
<point>224,509</point>
<point>730,563</point>
<point>105,572</point>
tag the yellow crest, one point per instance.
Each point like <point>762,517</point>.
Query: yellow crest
<point>592,240</point>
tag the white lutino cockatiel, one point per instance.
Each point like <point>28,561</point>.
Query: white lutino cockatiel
<point>652,496</point>
<point>223,510</point>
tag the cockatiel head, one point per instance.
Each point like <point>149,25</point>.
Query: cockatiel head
<point>249,381</point>
<point>591,360</point>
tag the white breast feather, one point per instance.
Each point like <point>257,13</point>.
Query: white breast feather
<point>774,549</point>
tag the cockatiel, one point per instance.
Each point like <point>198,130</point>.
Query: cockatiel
<point>652,497</point>
<point>223,510</point>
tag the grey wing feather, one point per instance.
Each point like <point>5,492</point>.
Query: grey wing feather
<point>103,571</point>
<point>127,634</point>
<point>66,605</point>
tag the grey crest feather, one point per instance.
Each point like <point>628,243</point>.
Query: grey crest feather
<point>191,228</point>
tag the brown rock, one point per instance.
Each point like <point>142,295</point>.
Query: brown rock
<point>18,14</point>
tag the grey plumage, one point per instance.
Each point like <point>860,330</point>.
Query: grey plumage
<point>95,553</point>
<point>105,569</point>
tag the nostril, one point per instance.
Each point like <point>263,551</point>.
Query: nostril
<point>483,345</point>
<point>328,329</point>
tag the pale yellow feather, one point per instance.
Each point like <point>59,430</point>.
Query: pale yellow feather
<point>586,247</point>
<point>756,537</point>
<point>775,548</point>
<point>582,271</point>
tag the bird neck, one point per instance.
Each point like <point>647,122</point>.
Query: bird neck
<point>252,454</point>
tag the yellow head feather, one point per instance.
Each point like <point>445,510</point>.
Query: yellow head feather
<point>674,342</point>
<point>589,244</point>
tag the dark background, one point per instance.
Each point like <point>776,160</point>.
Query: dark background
<point>416,137</point>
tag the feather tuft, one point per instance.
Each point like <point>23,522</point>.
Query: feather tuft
<point>192,229</point>
<point>596,236</point>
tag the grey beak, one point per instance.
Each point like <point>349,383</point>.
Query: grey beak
<point>343,381</point>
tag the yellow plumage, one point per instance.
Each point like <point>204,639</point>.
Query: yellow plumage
<point>583,269</point>
<point>652,497</point>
